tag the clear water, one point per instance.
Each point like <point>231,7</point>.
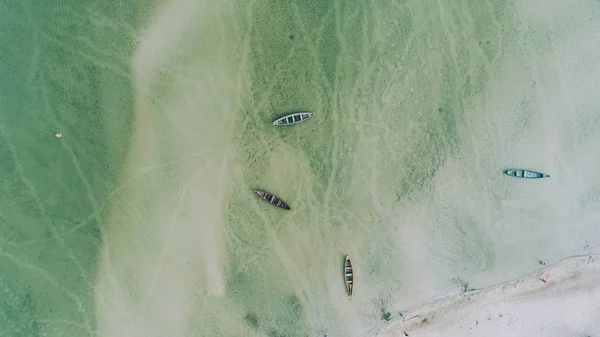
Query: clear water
<point>141,220</point>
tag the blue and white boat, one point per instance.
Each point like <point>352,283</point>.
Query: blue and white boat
<point>294,118</point>
<point>521,173</point>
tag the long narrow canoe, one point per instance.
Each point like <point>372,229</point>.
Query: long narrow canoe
<point>349,276</point>
<point>273,200</point>
<point>294,118</point>
<point>521,173</point>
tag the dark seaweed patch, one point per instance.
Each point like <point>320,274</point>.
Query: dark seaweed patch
<point>274,333</point>
<point>19,310</point>
<point>252,320</point>
<point>294,303</point>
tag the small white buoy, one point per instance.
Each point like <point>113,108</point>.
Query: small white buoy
<point>58,135</point>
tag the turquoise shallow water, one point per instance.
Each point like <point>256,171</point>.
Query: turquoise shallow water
<point>63,69</point>
<point>141,221</point>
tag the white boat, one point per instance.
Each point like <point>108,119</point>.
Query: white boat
<point>294,118</point>
<point>520,173</point>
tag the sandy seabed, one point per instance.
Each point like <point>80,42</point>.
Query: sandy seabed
<point>401,167</point>
<point>141,221</point>
<point>566,304</point>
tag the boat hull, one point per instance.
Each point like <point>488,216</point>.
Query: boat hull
<point>528,174</point>
<point>294,118</point>
<point>272,199</point>
<point>349,276</point>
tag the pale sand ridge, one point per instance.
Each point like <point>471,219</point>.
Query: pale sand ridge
<point>164,248</point>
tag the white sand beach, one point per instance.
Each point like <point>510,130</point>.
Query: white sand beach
<point>567,304</point>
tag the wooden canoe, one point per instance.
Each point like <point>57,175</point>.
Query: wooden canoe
<point>294,118</point>
<point>273,200</point>
<point>349,276</point>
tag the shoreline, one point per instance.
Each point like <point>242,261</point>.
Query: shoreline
<point>454,312</point>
